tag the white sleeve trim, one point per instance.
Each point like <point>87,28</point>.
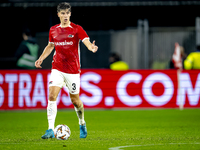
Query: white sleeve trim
<point>51,42</point>
<point>85,39</point>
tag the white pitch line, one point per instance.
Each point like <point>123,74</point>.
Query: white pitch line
<point>121,147</point>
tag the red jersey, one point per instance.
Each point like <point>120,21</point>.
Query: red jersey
<point>66,41</point>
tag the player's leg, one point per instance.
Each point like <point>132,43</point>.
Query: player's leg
<point>52,106</point>
<point>79,108</point>
<point>55,84</point>
<point>51,111</point>
<point>73,84</point>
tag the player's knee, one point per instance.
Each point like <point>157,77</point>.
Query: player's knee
<point>52,97</point>
<point>75,100</point>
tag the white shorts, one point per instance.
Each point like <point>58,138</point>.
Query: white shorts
<point>72,81</point>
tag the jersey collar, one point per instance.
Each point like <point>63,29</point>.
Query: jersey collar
<point>67,26</point>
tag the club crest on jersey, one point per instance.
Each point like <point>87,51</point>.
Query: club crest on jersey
<point>70,36</point>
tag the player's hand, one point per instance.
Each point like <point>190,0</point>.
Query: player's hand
<point>94,48</point>
<point>38,63</point>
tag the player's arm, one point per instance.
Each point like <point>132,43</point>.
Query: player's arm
<point>91,46</point>
<point>47,51</point>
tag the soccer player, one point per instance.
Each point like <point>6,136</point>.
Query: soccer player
<point>65,66</point>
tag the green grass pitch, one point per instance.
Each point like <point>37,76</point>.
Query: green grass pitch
<point>157,129</point>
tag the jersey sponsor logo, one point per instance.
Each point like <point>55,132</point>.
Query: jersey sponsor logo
<point>63,43</point>
<point>70,36</point>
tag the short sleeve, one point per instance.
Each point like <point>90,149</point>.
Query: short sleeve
<point>82,35</point>
<point>51,37</point>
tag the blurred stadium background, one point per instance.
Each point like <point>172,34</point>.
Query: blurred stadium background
<point>143,32</point>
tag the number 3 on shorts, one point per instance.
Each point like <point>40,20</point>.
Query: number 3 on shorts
<point>73,86</point>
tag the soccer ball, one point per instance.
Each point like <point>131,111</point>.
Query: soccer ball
<point>62,132</point>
